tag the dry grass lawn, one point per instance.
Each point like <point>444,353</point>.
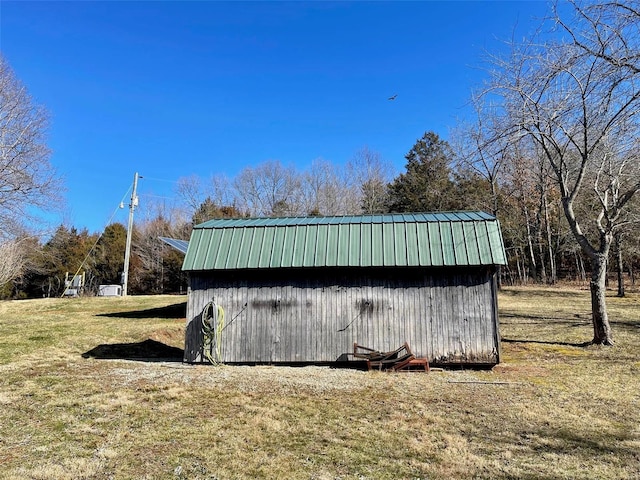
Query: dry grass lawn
<point>551,410</point>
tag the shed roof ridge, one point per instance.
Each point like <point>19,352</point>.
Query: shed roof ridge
<point>407,217</point>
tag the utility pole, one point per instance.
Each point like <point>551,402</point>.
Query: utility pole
<point>127,250</point>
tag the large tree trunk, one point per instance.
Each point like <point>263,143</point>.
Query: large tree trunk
<point>601,328</point>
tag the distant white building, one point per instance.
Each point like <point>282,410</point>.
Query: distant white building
<point>109,290</point>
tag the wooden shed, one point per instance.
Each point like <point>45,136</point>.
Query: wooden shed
<point>305,289</point>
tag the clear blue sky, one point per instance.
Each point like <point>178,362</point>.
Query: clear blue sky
<point>173,89</point>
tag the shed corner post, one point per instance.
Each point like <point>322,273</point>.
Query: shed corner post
<point>496,317</point>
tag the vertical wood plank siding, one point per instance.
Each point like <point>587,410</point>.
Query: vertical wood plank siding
<point>302,315</point>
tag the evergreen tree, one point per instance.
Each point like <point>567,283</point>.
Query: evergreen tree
<point>110,254</point>
<point>66,252</point>
<point>427,184</point>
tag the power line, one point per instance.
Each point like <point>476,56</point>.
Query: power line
<point>160,179</point>
<point>151,195</point>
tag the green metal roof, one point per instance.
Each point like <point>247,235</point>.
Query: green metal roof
<point>416,239</point>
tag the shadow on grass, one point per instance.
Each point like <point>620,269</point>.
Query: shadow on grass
<point>564,441</point>
<point>146,351</point>
<point>540,342</point>
<point>177,310</point>
<point>576,321</point>
<point>580,446</point>
<point>631,326</point>
<point>534,292</point>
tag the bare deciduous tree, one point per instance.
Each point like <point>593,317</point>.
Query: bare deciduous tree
<point>323,189</point>
<point>270,189</point>
<point>13,260</point>
<point>27,179</point>
<point>481,147</point>
<point>28,182</point>
<point>221,190</point>
<point>191,191</point>
<point>607,30</point>
<point>579,106</point>
<point>197,197</point>
<point>369,176</point>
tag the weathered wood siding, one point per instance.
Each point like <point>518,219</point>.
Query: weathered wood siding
<point>447,316</point>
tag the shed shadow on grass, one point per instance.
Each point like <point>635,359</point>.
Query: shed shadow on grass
<point>177,311</point>
<point>146,351</point>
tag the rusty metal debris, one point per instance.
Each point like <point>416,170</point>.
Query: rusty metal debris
<point>401,359</point>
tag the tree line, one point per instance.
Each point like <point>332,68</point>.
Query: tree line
<point>436,177</point>
<point>551,150</point>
